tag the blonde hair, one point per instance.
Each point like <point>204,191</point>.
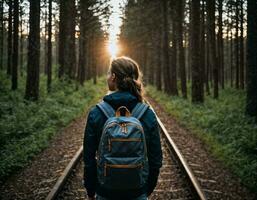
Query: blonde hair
<point>128,76</point>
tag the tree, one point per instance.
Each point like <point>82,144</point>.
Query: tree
<point>15,45</point>
<point>181,53</point>
<point>237,43</point>
<point>173,64</point>
<point>82,42</point>
<point>197,83</point>
<point>251,100</point>
<point>241,45</point>
<point>32,83</point>
<point>67,50</point>
<point>49,47</point>
<point>10,39</point>
<point>202,44</point>
<point>220,46</point>
<point>210,4</point>
<point>1,34</point>
<point>165,48</point>
<point>21,58</point>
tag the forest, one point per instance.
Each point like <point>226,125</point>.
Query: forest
<point>198,59</point>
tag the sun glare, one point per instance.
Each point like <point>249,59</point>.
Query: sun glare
<point>113,49</point>
<point>114,28</point>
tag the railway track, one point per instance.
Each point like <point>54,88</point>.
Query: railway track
<point>176,180</point>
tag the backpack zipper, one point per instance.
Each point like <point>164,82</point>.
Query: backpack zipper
<point>110,140</point>
<point>121,166</point>
<point>125,140</point>
<point>123,126</point>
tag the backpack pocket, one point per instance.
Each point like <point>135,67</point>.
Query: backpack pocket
<point>119,147</point>
<point>123,174</point>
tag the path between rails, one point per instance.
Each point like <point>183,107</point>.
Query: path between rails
<point>36,180</point>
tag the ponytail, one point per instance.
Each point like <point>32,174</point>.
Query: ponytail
<point>128,76</point>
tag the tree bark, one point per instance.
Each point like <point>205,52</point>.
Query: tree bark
<point>21,42</point>
<point>32,84</point>
<point>212,41</point>
<point>67,51</point>
<point>181,52</point>
<point>202,43</point>
<point>173,63</point>
<point>159,68</point>
<point>231,52</point>
<point>251,99</point>
<point>15,45</point>
<point>237,44</point>
<point>242,68</point>
<point>49,46</point>
<point>197,84</point>
<point>1,34</point>
<point>220,43</point>
<point>82,43</point>
<point>10,35</point>
<point>166,64</point>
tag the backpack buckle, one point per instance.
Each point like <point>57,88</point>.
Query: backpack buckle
<point>118,114</point>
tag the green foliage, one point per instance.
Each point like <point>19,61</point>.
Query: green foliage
<point>222,124</point>
<point>26,127</point>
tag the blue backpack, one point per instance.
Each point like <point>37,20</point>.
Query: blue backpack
<point>122,162</point>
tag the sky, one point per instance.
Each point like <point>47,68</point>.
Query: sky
<point>115,23</point>
<point>115,20</point>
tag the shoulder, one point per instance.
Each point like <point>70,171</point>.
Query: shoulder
<point>94,114</point>
<point>150,117</point>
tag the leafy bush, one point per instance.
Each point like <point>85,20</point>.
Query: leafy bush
<point>26,127</point>
<point>222,124</point>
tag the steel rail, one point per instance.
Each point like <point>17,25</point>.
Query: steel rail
<point>62,179</point>
<point>195,186</point>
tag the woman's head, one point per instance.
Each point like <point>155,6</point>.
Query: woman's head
<point>124,75</point>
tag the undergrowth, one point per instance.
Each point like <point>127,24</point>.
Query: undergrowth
<point>26,127</point>
<point>222,124</point>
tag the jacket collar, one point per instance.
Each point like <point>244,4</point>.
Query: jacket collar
<point>121,98</point>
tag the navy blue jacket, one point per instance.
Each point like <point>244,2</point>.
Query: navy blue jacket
<point>92,134</point>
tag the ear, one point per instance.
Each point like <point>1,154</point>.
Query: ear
<point>113,76</point>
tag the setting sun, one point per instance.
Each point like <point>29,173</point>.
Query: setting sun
<point>113,49</point>
<point>115,22</point>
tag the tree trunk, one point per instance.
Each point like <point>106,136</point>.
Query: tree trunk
<point>21,42</point>
<point>242,45</point>
<point>94,70</point>
<point>173,64</point>
<point>82,43</point>
<point>212,41</point>
<point>67,51</point>
<point>10,39</point>
<point>32,84</point>
<point>220,43</point>
<point>202,43</point>
<point>1,34</point>
<point>231,52</point>
<point>166,64</point>
<point>197,84</point>
<point>45,67</point>
<point>251,99</point>
<point>49,46</point>
<point>181,52</point>
<point>207,55</point>
<point>15,45</point>
<point>237,44</point>
<point>159,60</point>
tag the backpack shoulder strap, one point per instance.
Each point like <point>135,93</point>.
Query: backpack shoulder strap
<point>106,109</point>
<point>139,110</point>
